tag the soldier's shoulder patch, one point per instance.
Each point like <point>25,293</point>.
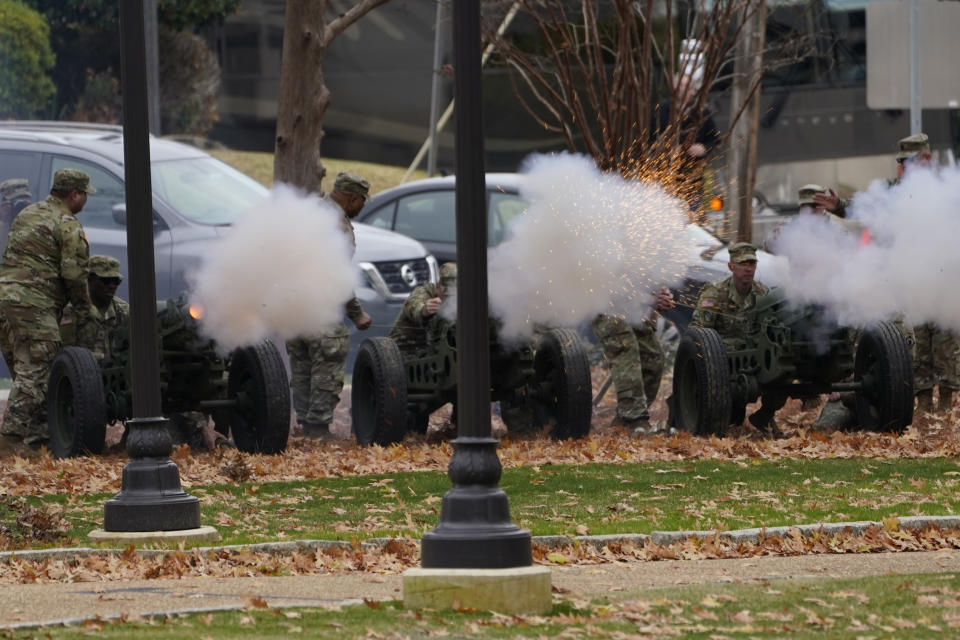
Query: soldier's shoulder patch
<point>708,303</point>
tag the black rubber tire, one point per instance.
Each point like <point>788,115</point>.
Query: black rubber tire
<point>76,409</point>
<point>379,394</point>
<point>562,366</point>
<point>257,379</point>
<point>883,360</point>
<point>701,383</point>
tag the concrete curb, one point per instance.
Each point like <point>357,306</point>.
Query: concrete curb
<point>754,534</point>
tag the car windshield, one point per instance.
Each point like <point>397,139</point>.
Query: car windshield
<point>205,190</point>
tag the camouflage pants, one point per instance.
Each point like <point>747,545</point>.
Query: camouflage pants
<point>30,337</point>
<point>937,358</point>
<point>317,365</point>
<point>636,362</point>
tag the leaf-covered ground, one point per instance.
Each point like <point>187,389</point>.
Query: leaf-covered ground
<point>583,499</point>
<point>307,459</point>
<point>397,556</point>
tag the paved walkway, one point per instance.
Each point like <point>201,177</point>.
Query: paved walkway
<point>27,605</point>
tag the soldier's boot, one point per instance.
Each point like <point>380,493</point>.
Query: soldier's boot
<point>946,400</point>
<point>925,400</point>
<point>320,430</point>
<point>638,426</point>
<point>763,420</point>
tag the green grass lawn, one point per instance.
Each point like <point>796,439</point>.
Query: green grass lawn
<point>895,606</point>
<point>259,166</point>
<point>565,499</point>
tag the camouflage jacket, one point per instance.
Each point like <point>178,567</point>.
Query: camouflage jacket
<point>96,334</point>
<point>353,308</point>
<point>45,262</point>
<point>409,329</point>
<point>721,307</point>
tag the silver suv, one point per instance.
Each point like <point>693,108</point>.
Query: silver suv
<point>195,197</point>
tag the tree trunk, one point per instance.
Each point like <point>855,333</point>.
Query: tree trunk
<point>304,96</point>
<point>742,158</point>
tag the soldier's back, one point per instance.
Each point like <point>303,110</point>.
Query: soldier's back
<point>30,269</point>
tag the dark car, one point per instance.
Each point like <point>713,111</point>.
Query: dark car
<point>196,197</point>
<point>425,210</point>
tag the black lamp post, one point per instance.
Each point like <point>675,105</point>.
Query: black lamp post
<point>475,530</point>
<point>151,498</point>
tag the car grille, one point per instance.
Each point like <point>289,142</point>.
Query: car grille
<point>393,272</point>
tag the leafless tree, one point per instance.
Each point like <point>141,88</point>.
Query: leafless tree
<point>590,70</point>
<point>304,96</point>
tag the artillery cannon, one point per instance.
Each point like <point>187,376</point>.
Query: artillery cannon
<point>395,392</point>
<point>246,393</point>
<point>795,352</point>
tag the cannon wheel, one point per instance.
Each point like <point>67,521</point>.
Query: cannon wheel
<point>76,411</point>
<point>701,383</point>
<point>257,379</point>
<point>561,362</point>
<point>884,366</point>
<point>379,394</point>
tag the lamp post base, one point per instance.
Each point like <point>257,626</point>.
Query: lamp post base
<point>150,498</point>
<point>475,529</point>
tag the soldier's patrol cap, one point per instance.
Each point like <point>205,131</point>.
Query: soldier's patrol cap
<point>14,188</point>
<point>743,252</point>
<point>352,183</point>
<point>69,179</point>
<point>912,145</point>
<point>806,192</point>
<point>105,267</point>
<point>448,274</point>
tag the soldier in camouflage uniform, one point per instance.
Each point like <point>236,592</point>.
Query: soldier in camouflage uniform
<point>318,362</point>
<point>636,363</point>
<point>44,267</point>
<point>723,305</point>
<point>937,354</point>
<point>409,329</point>
<point>108,313</point>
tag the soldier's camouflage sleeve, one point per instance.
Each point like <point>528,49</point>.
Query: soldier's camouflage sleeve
<point>842,205</point>
<point>704,315</point>
<point>74,254</point>
<point>354,310</point>
<point>353,307</point>
<point>413,306</point>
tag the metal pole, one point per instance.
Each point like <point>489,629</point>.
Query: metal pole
<point>151,498</point>
<point>916,114</point>
<point>153,64</point>
<point>434,94</point>
<point>475,530</point>
<point>448,112</point>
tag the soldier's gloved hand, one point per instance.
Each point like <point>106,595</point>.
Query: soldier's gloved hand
<point>663,299</point>
<point>431,306</point>
<point>363,322</point>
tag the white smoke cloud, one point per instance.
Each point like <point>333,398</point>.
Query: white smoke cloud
<point>590,243</point>
<point>911,264</point>
<point>284,270</point>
